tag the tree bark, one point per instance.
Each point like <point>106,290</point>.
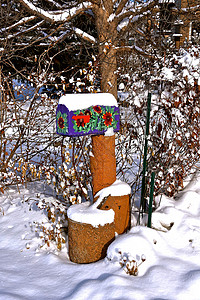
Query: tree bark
<point>107,37</point>
<point>103,163</point>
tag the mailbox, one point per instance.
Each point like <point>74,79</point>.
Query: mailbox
<point>84,114</point>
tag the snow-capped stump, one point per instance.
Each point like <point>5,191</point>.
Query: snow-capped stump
<point>117,198</point>
<point>83,114</point>
<point>92,227</point>
<point>90,232</point>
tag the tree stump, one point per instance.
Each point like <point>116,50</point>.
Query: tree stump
<point>121,207</point>
<point>88,244</point>
<point>117,198</point>
<point>90,232</point>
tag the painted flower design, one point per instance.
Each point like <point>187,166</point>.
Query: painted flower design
<point>81,119</point>
<point>97,109</point>
<point>107,119</point>
<point>95,119</point>
<point>88,112</point>
<point>62,124</point>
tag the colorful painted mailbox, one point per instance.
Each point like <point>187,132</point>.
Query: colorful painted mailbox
<point>83,114</point>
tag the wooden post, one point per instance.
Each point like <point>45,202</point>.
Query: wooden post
<point>103,169</point>
<point>88,240</point>
<point>103,162</point>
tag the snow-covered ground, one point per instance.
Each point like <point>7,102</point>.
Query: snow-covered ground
<point>169,257</point>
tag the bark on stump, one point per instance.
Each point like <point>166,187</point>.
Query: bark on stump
<point>87,243</point>
<point>121,206</point>
<point>103,163</point>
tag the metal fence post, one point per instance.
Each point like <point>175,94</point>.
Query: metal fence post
<point>151,199</point>
<point>143,202</point>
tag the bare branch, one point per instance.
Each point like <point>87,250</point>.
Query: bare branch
<point>56,16</point>
<point>21,22</point>
<point>131,13</point>
<point>120,7</point>
<point>55,4</point>
<point>87,37</point>
<point>9,37</point>
<point>134,49</point>
<point>194,11</point>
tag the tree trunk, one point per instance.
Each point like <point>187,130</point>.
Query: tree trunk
<point>107,33</point>
<point>103,164</point>
<point>108,67</point>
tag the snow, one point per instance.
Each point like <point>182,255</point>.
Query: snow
<point>118,188</point>
<point>22,21</point>
<point>167,257</point>
<point>109,132</point>
<point>82,101</point>
<point>123,23</point>
<point>192,63</point>
<point>167,73</point>
<point>121,86</point>
<point>164,1</point>
<point>84,35</point>
<point>89,214</point>
<point>111,17</point>
<point>58,16</point>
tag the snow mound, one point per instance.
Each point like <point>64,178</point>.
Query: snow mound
<point>189,202</point>
<point>141,243</point>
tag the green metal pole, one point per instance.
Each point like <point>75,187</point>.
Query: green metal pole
<point>143,202</point>
<point>151,199</point>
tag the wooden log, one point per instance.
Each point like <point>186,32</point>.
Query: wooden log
<point>87,243</point>
<point>103,162</point>
<point>122,208</point>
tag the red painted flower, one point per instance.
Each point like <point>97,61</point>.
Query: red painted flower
<point>80,121</point>
<point>61,122</point>
<point>88,113</point>
<point>97,109</point>
<point>107,118</point>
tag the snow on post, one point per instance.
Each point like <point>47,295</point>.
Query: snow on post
<point>83,114</point>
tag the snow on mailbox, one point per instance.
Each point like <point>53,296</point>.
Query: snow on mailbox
<point>83,114</point>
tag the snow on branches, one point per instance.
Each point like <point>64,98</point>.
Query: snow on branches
<point>175,124</point>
